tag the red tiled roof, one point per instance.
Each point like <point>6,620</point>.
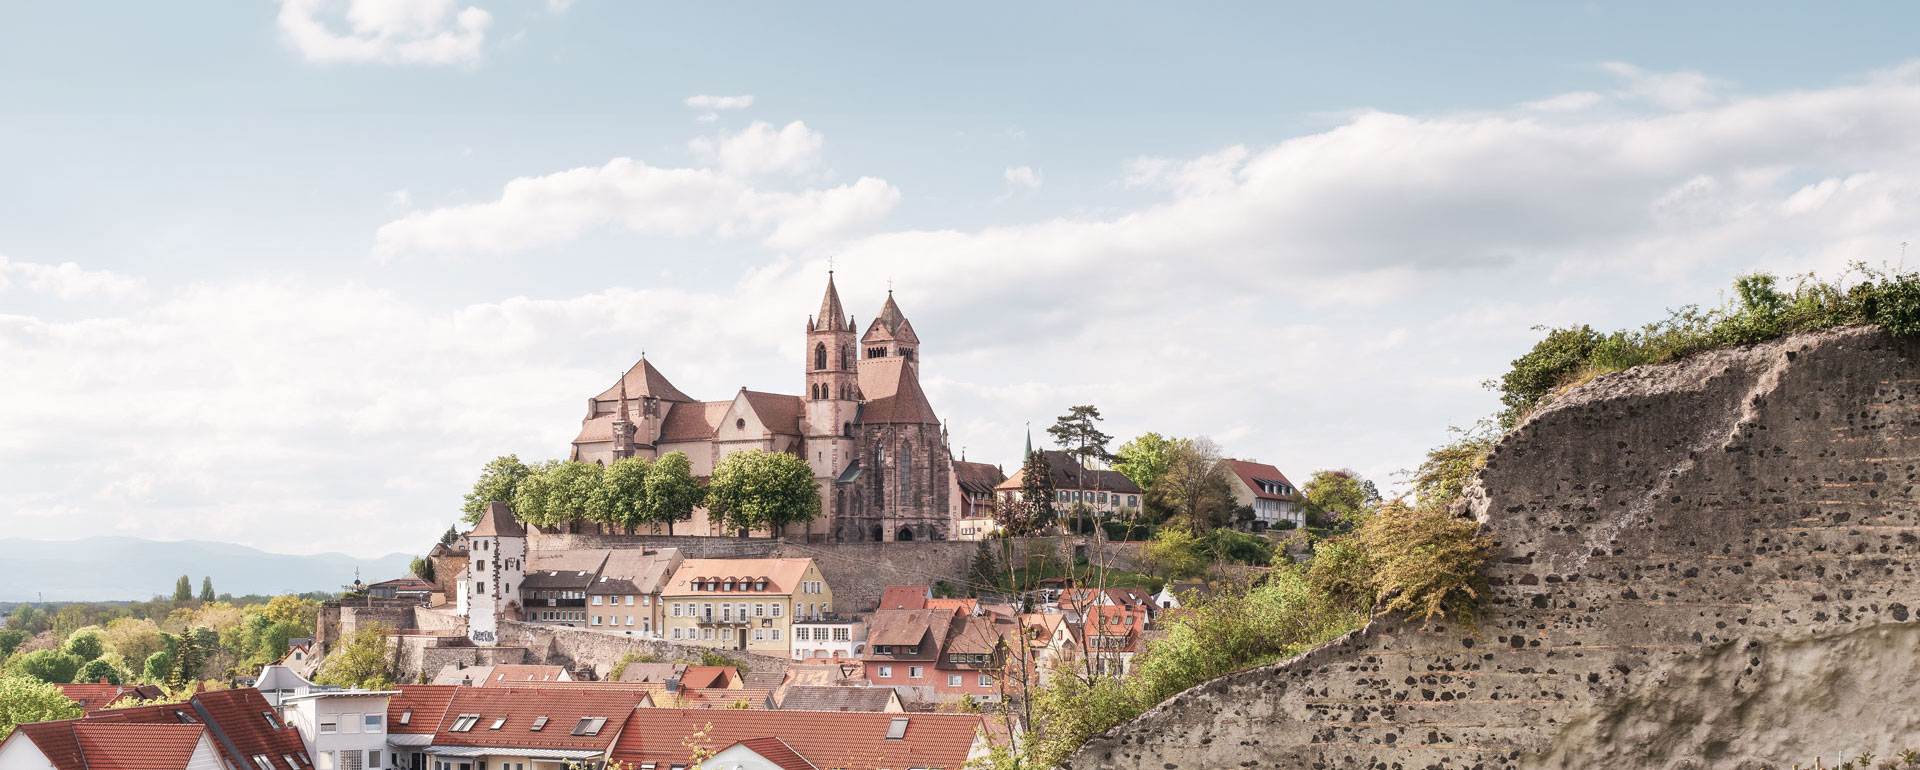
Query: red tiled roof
<point>906,405</point>
<point>644,380</point>
<point>240,718</point>
<point>511,675</point>
<point>428,702</point>
<point>959,606</point>
<point>692,422</point>
<point>709,676</point>
<point>778,752</point>
<point>1250,474</point>
<point>72,744</point>
<point>498,521</point>
<point>879,376</point>
<point>94,697</point>
<point>521,707</point>
<point>904,598</point>
<point>780,413</point>
<point>845,740</point>
<point>977,477</point>
<point>1068,475</point>
<point>408,583</point>
<point>895,628</point>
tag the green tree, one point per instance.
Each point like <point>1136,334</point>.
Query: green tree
<point>499,481</point>
<point>86,644</point>
<point>753,489</point>
<point>206,589</point>
<point>1035,509</point>
<point>452,535</point>
<point>626,482</point>
<point>183,589</point>
<point>271,644</point>
<point>1077,433</point>
<point>30,619</point>
<point>360,660</point>
<point>158,667</point>
<point>1444,475</point>
<point>1339,497</point>
<point>1426,562</point>
<point>10,640</point>
<point>672,491</point>
<point>1144,458</point>
<point>133,639</point>
<point>187,658</point>
<point>421,567</point>
<point>1175,553</point>
<point>52,666</point>
<point>95,670</point>
<point>24,700</point>
<point>1196,486</point>
<point>538,496</point>
<point>300,611</point>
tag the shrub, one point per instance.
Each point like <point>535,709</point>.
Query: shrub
<point>1425,562</point>
<point>1121,531</point>
<point>1759,310</point>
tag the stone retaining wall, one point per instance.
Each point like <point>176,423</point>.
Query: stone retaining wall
<point>584,649</point>
<point>1703,564</point>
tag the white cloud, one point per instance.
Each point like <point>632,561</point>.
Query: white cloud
<point>68,281</point>
<point>626,193</point>
<point>1023,177</point>
<point>710,102</point>
<point>1671,90</point>
<point>557,7</point>
<point>434,32</point>
<point>761,148</point>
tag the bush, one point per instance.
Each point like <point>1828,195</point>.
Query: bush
<point>1286,524</point>
<point>1129,532</point>
<point>1237,547</point>
<point>1426,562</point>
<point>1759,310</point>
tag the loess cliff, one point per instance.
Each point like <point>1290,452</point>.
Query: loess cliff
<point>1708,563</point>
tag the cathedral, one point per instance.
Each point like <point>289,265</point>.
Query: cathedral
<point>878,451</point>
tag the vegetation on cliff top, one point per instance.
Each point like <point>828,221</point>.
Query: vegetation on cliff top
<point>1760,309</point>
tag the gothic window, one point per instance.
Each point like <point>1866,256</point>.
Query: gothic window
<point>906,473</point>
<point>844,350</point>
<point>820,356</point>
<point>846,429</point>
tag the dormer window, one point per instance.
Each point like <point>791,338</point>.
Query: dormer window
<point>760,586</point>
<point>727,586</point>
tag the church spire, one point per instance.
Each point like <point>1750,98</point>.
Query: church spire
<point>831,317</point>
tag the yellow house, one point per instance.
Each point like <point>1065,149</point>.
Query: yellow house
<point>743,604</point>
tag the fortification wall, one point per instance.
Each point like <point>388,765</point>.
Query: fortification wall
<point>583,649</point>
<point>339,619</point>
<point>1703,564</point>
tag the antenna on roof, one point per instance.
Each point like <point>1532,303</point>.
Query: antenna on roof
<point>829,265</point>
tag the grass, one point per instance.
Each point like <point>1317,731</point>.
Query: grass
<point>1085,575</point>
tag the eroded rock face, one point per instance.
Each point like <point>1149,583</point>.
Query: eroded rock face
<point>1701,564</point>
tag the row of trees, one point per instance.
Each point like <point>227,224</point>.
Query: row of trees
<point>194,642</point>
<point>748,490</point>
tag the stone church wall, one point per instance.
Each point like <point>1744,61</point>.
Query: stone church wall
<point>1703,564</point>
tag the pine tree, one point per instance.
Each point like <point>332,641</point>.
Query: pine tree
<point>1036,492</point>
<point>183,589</point>
<point>186,664</point>
<point>206,589</point>
<point>981,573</point>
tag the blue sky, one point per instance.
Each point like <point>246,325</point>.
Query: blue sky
<point>313,261</point>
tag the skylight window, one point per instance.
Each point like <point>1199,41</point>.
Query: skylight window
<point>589,726</point>
<point>464,723</point>
<point>497,723</point>
<point>261,761</point>
<point>539,723</point>
<point>292,764</point>
<point>271,722</point>
<point>897,729</point>
<point>406,716</point>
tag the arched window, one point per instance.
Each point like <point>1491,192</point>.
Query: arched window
<point>820,356</point>
<point>906,472</point>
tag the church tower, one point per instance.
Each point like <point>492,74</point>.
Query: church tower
<point>832,394</point>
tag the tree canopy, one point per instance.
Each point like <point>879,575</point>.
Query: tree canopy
<point>499,479</point>
<point>183,589</point>
<point>1143,459</point>
<point>24,700</point>
<point>672,491</point>
<point>1196,486</point>
<point>1340,496</point>
<point>755,489</point>
<point>51,666</point>
<point>360,660</point>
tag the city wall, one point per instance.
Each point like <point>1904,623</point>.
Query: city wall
<point>1703,564</point>
<point>584,649</point>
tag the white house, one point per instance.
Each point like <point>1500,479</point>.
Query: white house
<point>72,743</point>
<point>496,568</point>
<point>1267,491</point>
<point>343,729</point>
<point>829,637</point>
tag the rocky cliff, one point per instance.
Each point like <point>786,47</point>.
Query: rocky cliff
<point>1708,563</point>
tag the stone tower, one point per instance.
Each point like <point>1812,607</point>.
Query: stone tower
<point>496,567</point>
<point>833,391</point>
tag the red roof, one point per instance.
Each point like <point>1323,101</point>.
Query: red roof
<point>701,677</point>
<point>643,380</point>
<point>845,740</point>
<point>426,702</point>
<point>778,752</point>
<point>244,721</point>
<point>509,675</point>
<point>517,710</point>
<point>1252,473</point>
<point>72,744</point>
<point>498,521</point>
<point>94,697</point>
<point>904,598</point>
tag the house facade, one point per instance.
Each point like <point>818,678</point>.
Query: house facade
<point>829,636</point>
<point>1267,491</point>
<point>342,729</point>
<point>743,604</point>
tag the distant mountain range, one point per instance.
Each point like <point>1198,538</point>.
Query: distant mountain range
<point>114,568</point>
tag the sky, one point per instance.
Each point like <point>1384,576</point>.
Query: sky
<point>286,274</point>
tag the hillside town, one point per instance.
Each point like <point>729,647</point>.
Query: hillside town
<point>864,600</point>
